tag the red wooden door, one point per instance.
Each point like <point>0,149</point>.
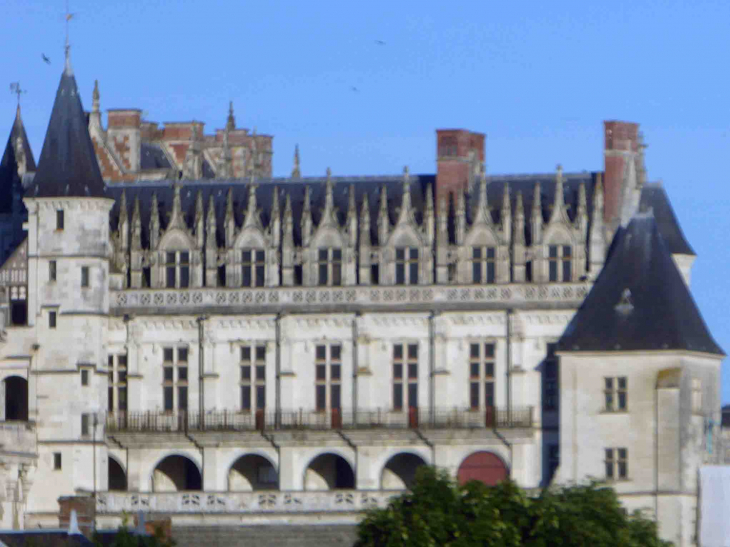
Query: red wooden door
<point>482,466</point>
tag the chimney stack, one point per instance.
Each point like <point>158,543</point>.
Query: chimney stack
<point>460,156</point>
<point>124,136</point>
<point>621,145</point>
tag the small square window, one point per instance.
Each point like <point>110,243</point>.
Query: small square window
<point>182,355</point>
<point>52,320</point>
<point>167,355</point>
<point>52,270</point>
<point>57,461</point>
<point>84,377</point>
<point>59,219</point>
<point>84,276</point>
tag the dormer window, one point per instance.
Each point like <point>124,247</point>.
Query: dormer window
<point>329,267</point>
<point>560,263</point>
<point>483,260</point>
<point>406,266</point>
<point>253,267</point>
<point>59,219</point>
<point>177,269</point>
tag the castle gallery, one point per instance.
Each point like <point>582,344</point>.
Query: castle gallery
<point>184,335</point>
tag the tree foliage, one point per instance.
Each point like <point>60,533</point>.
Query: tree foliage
<point>437,512</point>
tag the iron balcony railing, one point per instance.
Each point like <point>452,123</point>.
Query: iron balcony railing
<point>333,419</point>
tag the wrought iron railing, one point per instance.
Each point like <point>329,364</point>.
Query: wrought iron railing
<point>334,419</point>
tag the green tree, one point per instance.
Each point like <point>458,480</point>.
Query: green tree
<point>437,512</point>
<point>125,538</point>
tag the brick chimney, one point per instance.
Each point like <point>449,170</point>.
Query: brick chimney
<point>459,157</point>
<point>124,136</point>
<point>621,145</point>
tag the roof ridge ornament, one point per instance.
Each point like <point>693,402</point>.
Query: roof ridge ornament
<point>296,171</point>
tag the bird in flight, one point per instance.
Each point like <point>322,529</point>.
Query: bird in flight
<point>45,59</point>
<point>354,89</point>
<point>380,42</point>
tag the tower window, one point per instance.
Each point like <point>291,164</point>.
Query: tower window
<point>406,266</point>
<point>252,267</point>
<point>177,269</point>
<point>57,461</point>
<point>84,276</point>
<point>483,264</point>
<point>52,270</point>
<point>51,319</point>
<point>329,267</point>
<point>617,463</point>
<point>84,377</point>
<point>59,219</point>
<point>615,393</point>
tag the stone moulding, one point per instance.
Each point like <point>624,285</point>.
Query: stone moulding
<point>388,297</point>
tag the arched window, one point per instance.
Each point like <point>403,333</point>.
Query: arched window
<point>560,263</point>
<point>253,267</point>
<point>329,266</point>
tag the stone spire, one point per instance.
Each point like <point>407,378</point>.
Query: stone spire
<point>365,239</point>
<point>429,216</point>
<point>559,213</point>
<point>95,97</point>
<point>211,225</point>
<point>275,218</point>
<point>329,213</point>
<point>230,220</point>
<point>506,214</point>
<point>288,236</point>
<point>231,121</point>
<point>154,223</point>
<point>253,218</point>
<point>519,232</point>
<point>537,219</point>
<point>199,220</point>
<point>296,172</point>
<point>460,217</point>
<point>136,226</point>
<point>597,241</point>
<point>306,222</point>
<point>383,220</point>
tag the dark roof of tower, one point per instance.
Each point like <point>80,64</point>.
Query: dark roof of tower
<point>654,197</point>
<point>153,157</point>
<point>639,301</point>
<point>10,181</point>
<point>67,166</point>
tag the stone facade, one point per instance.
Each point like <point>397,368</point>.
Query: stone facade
<point>290,350</point>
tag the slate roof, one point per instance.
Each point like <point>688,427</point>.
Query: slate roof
<point>659,313</point>
<point>153,157</point>
<point>654,197</point>
<point>67,165</point>
<point>10,182</point>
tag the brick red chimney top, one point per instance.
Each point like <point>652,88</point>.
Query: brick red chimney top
<point>621,144</point>
<point>459,153</point>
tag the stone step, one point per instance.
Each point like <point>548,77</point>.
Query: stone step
<point>315,535</point>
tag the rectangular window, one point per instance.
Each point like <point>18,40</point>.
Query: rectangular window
<point>84,377</point>
<point>328,376</point>
<point>550,377</point>
<point>329,267</point>
<point>52,270</point>
<point>406,266</point>
<point>253,266</point>
<point>85,424</point>
<point>57,461</point>
<point>405,376</point>
<point>560,263</point>
<point>481,375</point>
<point>84,276</point>
<point>483,264</point>
<point>59,219</point>
<point>615,394</point>
<point>253,377</point>
<point>177,269</point>
<point>617,463</point>
<point>51,319</point>
<point>117,370</point>
<point>175,379</point>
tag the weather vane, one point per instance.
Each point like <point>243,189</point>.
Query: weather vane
<point>68,17</point>
<point>15,88</point>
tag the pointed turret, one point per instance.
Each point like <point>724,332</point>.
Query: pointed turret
<point>365,239</point>
<point>154,223</point>
<point>383,220</point>
<point>16,161</point>
<point>559,213</point>
<point>136,225</point>
<point>537,219</point>
<point>306,222</point>
<point>460,217</point>
<point>231,121</point>
<point>518,241</point>
<point>296,171</point>
<point>211,225</point>
<point>199,220</point>
<point>229,220</point>
<point>506,214</point>
<point>597,242</point>
<point>68,166</point>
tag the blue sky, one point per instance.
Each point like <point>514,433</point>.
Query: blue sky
<point>538,77</point>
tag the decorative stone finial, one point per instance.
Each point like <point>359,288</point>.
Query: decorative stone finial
<point>231,121</point>
<point>296,170</point>
<point>95,97</point>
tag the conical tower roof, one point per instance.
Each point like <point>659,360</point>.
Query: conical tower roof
<point>640,301</point>
<point>68,165</point>
<point>10,181</point>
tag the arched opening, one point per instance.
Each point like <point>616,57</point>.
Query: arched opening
<point>252,472</point>
<point>16,398</point>
<point>175,474</point>
<point>329,472</point>
<point>400,471</point>
<point>482,466</point>
<point>117,476</point>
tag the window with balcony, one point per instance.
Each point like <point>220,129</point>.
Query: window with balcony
<point>481,375</point>
<point>405,376</point>
<point>483,264</point>
<point>253,267</point>
<point>550,376</point>
<point>560,263</point>
<point>253,377</point>
<point>177,269</point>
<point>329,267</point>
<point>406,266</point>
<point>117,390</point>
<point>328,377</point>
<point>615,394</point>
<point>175,379</point>
<point>617,463</point>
